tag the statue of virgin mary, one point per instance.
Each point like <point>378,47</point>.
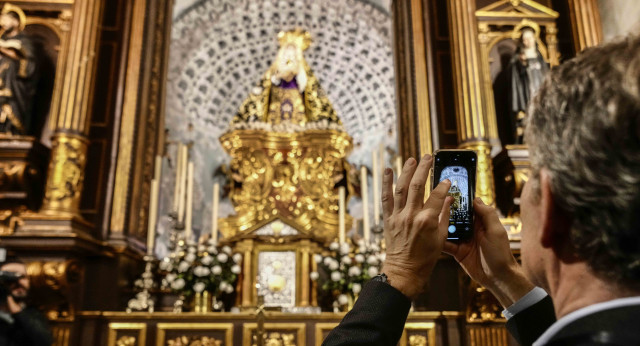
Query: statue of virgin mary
<point>527,69</point>
<point>289,92</point>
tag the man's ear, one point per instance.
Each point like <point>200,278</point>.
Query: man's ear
<point>555,222</point>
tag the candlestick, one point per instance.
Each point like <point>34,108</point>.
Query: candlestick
<point>153,216</point>
<point>176,190</point>
<point>214,212</point>
<point>188,219</point>
<point>341,213</point>
<point>365,202</point>
<point>183,183</point>
<point>376,188</point>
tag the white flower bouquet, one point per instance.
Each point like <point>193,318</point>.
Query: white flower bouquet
<point>195,268</point>
<point>347,269</point>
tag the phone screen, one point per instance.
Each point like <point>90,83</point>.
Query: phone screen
<point>459,166</point>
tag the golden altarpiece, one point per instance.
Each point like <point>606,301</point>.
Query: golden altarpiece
<point>80,224</point>
<point>288,153</point>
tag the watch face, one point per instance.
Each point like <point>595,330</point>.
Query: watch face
<point>380,278</point>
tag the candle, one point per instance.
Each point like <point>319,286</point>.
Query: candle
<point>376,188</point>
<point>183,183</point>
<point>176,190</point>
<point>188,219</point>
<point>158,168</point>
<point>153,216</point>
<point>214,213</point>
<point>341,213</point>
<point>365,202</point>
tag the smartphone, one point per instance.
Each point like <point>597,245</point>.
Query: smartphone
<point>459,166</point>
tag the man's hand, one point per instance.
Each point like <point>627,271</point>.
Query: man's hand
<point>414,230</point>
<point>13,306</point>
<point>487,258</point>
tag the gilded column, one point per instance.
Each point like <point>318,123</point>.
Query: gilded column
<point>473,127</point>
<point>314,284</point>
<point>414,100</point>
<point>70,113</point>
<point>246,248</point>
<point>305,279</point>
<point>585,22</point>
<point>552,45</point>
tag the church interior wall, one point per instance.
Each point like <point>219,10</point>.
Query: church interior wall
<point>165,75</point>
<point>619,17</point>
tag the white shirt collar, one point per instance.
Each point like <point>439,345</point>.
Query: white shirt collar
<point>580,313</point>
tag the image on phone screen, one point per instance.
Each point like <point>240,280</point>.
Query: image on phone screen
<point>459,168</point>
<point>460,218</point>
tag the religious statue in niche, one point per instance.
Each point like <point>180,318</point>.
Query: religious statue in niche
<point>18,73</point>
<point>289,95</point>
<point>527,70</point>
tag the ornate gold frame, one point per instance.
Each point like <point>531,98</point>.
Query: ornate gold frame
<point>517,14</point>
<point>303,249</point>
<point>320,328</point>
<point>300,329</point>
<point>114,327</point>
<point>429,327</point>
<point>227,328</point>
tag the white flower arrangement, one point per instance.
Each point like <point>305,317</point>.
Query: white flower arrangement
<point>347,269</point>
<point>194,268</point>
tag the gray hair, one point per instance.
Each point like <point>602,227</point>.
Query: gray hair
<point>584,127</point>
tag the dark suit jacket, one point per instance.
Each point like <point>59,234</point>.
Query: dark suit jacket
<point>616,326</point>
<point>28,329</point>
<point>377,318</point>
<point>379,315</point>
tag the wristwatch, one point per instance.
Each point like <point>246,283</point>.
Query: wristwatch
<point>381,278</point>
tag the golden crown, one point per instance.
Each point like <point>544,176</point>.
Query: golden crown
<point>298,37</point>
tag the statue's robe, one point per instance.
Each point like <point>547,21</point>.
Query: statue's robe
<point>525,81</point>
<point>18,85</point>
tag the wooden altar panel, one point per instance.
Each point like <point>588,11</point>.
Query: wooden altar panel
<point>322,330</point>
<point>418,334</point>
<point>127,334</point>
<point>436,327</point>
<point>170,333</point>
<point>287,333</point>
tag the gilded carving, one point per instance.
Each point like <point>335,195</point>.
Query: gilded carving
<point>126,341</point>
<point>6,224</point>
<point>483,306</point>
<point>484,180</point>
<point>55,278</point>
<point>66,173</point>
<point>194,341</point>
<point>277,339</point>
<point>418,340</point>
<point>285,175</point>
<point>63,22</point>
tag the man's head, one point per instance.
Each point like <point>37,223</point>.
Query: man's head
<point>18,289</point>
<point>582,202</point>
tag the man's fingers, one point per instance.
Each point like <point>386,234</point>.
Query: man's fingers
<point>445,215</point>
<point>437,197</point>
<point>402,186</point>
<point>488,216</point>
<point>450,248</point>
<point>387,193</point>
<point>415,196</point>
